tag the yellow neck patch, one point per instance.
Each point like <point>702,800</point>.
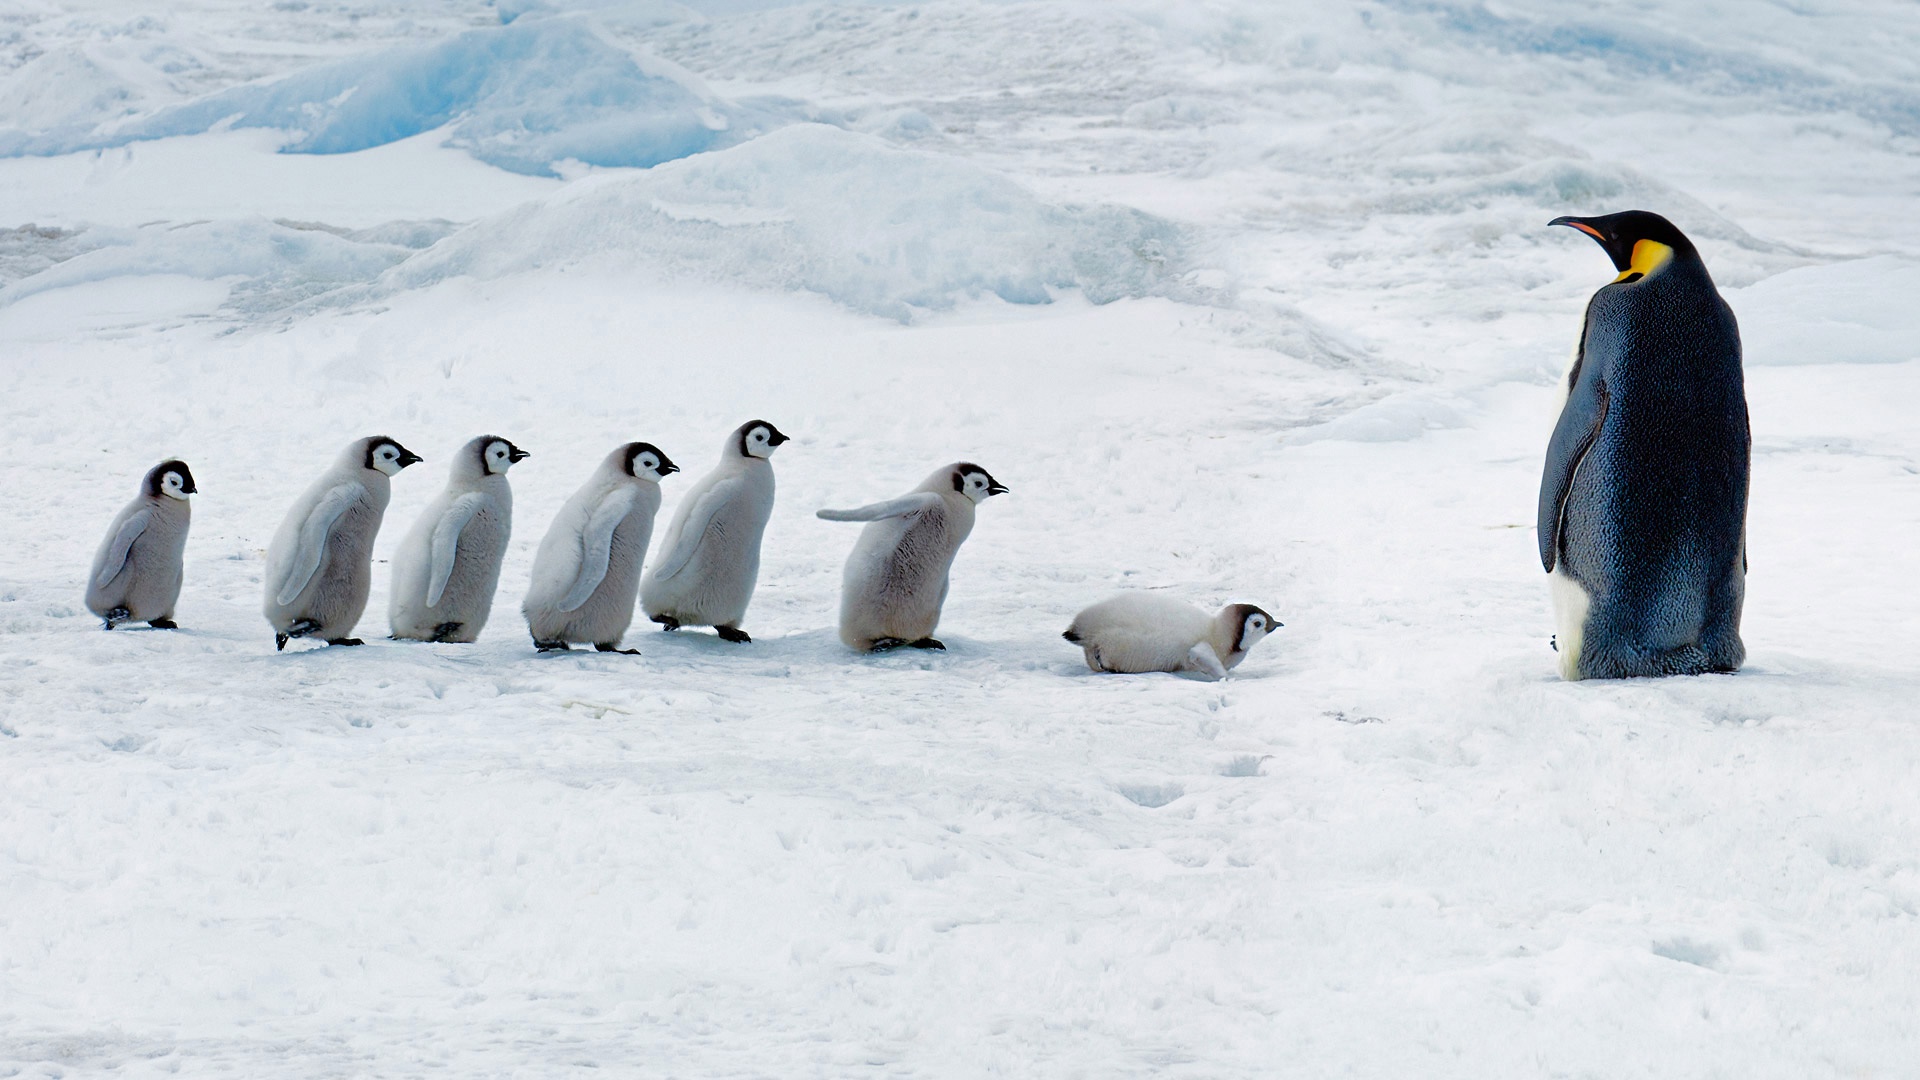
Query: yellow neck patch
<point>1648,256</point>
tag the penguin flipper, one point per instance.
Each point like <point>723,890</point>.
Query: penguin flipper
<point>1202,658</point>
<point>446,541</point>
<point>313,538</point>
<point>900,507</point>
<point>596,546</point>
<point>1580,421</point>
<point>694,528</point>
<point>116,557</point>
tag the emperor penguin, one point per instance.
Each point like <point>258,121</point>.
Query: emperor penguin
<point>587,572</point>
<point>447,568</point>
<point>895,582</point>
<point>1643,500</point>
<point>136,573</point>
<point>710,558</point>
<point>1139,632</point>
<point>320,564</point>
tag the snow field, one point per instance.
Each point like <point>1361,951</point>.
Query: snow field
<point>1392,844</point>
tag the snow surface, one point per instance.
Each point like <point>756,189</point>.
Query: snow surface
<point>1243,301</point>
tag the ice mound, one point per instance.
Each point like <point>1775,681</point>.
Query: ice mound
<point>873,227</point>
<point>1858,312</point>
<point>271,264</point>
<point>521,96</point>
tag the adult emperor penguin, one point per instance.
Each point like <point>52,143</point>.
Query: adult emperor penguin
<point>1643,502</point>
<point>896,579</point>
<point>710,557</point>
<point>588,568</point>
<point>136,573</point>
<point>1139,632</point>
<point>320,563</point>
<point>447,568</point>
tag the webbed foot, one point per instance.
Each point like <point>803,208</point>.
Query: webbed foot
<point>927,643</point>
<point>733,634</point>
<point>115,616</point>
<point>445,630</point>
<point>163,624</point>
<point>345,641</point>
<point>667,622</point>
<point>886,644</point>
<point>614,647</point>
<point>550,646</point>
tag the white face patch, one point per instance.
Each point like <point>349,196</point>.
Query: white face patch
<point>760,442</point>
<point>1256,628</point>
<point>647,467</point>
<point>499,456</point>
<point>387,459</point>
<point>173,486</point>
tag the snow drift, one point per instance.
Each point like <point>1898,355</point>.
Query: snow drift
<point>812,207</point>
<point>523,97</point>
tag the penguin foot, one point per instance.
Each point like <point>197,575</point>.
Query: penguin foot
<point>886,644</point>
<point>300,628</point>
<point>550,646</point>
<point>345,641</point>
<point>927,643</point>
<point>667,622</point>
<point>163,624</point>
<point>116,616</point>
<point>733,634</point>
<point>614,647</point>
<point>445,630</point>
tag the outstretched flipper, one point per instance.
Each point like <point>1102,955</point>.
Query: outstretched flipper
<point>313,539</point>
<point>596,546</point>
<point>1580,421</point>
<point>900,507</point>
<point>699,519</point>
<point>446,543</point>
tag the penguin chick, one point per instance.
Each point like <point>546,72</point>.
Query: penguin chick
<point>587,572</point>
<point>1137,632</point>
<point>447,568</point>
<point>1643,497</point>
<point>895,582</point>
<point>320,564</point>
<point>710,557</point>
<point>137,571</point>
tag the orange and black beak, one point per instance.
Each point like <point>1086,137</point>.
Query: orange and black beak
<point>1621,252</point>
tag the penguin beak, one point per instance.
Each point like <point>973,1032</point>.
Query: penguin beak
<point>668,468</point>
<point>1621,260</point>
<point>995,487</point>
<point>408,457</point>
<point>515,455</point>
<point>774,438</point>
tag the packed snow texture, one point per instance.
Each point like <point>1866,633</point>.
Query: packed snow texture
<point>1304,349</point>
<point>523,96</point>
<point>878,229</point>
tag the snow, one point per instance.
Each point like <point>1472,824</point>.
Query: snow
<point>1244,302</point>
<point>813,207</point>
<point>521,96</point>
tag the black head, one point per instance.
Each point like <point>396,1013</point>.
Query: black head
<point>157,482</point>
<point>1620,236</point>
<point>975,482</point>
<point>497,454</point>
<point>757,438</point>
<point>645,461</point>
<point>388,456</point>
<point>1251,624</point>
